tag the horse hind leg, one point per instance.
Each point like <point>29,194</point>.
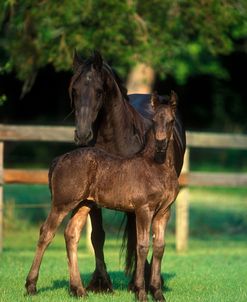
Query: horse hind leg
<point>47,233</point>
<point>72,236</point>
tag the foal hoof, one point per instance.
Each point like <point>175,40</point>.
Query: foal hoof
<point>100,283</point>
<point>31,289</point>
<point>141,295</point>
<point>158,295</point>
<point>78,291</point>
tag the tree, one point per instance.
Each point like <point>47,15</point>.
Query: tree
<point>179,37</point>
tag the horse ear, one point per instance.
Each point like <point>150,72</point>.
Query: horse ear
<point>154,100</point>
<point>173,100</point>
<point>77,61</point>
<point>97,60</point>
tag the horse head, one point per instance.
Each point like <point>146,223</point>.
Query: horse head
<point>87,93</point>
<point>163,124</point>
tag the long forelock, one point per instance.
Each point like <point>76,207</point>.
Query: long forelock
<point>87,64</point>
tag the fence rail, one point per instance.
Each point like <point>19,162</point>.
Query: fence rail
<point>58,134</point>
<point>66,134</point>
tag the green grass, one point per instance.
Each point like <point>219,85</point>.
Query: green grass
<point>213,269</point>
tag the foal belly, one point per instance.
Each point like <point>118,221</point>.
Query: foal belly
<point>113,198</point>
<point>124,192</point>
<point>121,191</point>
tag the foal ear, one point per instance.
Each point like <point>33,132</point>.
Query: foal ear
<point>155,100</point>
<point>77,61</point>
<point>97,60</point>
<point>173,100</point>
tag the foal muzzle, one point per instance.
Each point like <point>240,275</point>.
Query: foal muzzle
<point>161,145</point>
<point>160,151</point>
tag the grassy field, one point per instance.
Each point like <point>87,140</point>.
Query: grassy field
<point>213,269</point>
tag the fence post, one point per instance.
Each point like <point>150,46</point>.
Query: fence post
<point>182,211</point>
<point>1,196</point>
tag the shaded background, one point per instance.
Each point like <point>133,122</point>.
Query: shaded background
<point>197,48</point>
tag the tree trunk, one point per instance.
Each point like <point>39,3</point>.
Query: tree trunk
<point>140,79</point>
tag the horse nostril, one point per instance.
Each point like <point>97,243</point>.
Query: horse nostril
<point>161,145</point>
<point>82,140</point>
<point>90,136</point>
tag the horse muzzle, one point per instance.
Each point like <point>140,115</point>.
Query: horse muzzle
<point>83,140</point>
<point>161,145</point>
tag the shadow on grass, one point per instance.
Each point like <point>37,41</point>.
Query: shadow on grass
<point>119,280</point>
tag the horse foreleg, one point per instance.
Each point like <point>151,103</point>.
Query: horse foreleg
<point>143,223</point>
<point>158,228</point>
<point>47,232</point>
<point>100,281</point>
<point>72,236</point>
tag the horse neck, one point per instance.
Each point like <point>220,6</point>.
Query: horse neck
<point>122,130</point>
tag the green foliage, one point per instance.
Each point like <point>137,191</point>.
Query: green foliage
<point>176,37</point>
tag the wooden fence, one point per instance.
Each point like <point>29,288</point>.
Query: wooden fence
<point>65,134</point>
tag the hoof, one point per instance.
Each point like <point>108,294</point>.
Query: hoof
<point>78,291</point>
<point>141,295</point>
<point>31,289</point>
<point>158,295</point>
<point>100,283</point>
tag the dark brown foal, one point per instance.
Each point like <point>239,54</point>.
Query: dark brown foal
<point>138,184</point>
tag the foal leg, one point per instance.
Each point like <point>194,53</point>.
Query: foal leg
<point>158,228</point>
<point>143,223</point>
<point>72,236</point>
<point>47,232</point>
<point>100,281</point>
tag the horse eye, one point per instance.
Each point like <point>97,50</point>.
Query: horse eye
<point>99,93</point>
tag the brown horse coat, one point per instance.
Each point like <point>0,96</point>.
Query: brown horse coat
<point>111,181</point>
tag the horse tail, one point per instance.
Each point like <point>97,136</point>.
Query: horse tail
<point>129,242</point>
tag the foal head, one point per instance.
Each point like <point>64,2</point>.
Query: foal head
<point>90,86</point>
<point>163,124</point>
